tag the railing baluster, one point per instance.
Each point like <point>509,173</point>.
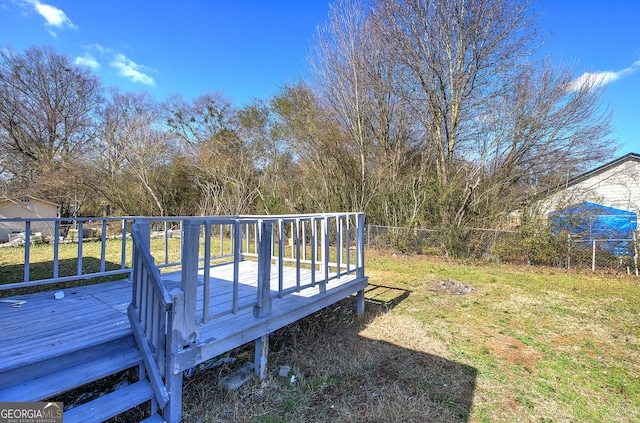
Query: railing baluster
<point>338,246</point>
<point>206,273</point>
<point>314,249</point>
<point>281,236</point>
<point>27,249</point>
<point>166,242</point>
<point>255,237</point>
<point>221,240</point>
<point>237,248</point>
<point>56,245</point>
<point>292,244</point>
<point>248,244</point>
<point>103,244</point>
<point>123,247</point>
<point>348,237</point>
<point>304,241</point>
<point>325,254</point>
<point>297,254</point>
<point>80,236</point>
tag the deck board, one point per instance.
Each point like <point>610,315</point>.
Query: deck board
<point>45,327</point>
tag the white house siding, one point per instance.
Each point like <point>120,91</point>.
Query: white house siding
<point>26,207</point>
<point>616,184</point>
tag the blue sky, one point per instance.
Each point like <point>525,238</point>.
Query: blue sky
<point>251,48</point>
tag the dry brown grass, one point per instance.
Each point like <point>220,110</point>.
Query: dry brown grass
<point>378,368</point>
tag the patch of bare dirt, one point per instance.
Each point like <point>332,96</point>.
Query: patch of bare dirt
<point>513,351</point>
<point>452,287</point>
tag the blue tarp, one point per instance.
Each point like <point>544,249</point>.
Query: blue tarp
<point>590,221</point>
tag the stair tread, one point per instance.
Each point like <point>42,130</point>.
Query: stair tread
<point>111,404</point>
<point>71,377</point>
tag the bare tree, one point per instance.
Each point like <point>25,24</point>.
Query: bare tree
<point>358,75</point>
<point>539,132</point>
<point>48,109</point>
<point>224,164</point>
<point>486,112</point>
<point>134,147</point>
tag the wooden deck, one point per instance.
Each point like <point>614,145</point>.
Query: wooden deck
<point>165,323</point>
<point>44,327</point>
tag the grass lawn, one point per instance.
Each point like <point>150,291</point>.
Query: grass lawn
<point>441,341</point>
<point>462,342</point>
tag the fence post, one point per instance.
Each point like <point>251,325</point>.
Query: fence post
<point>360,261</point>
<point>593,256</point>
<point>263,306</point>
<point>189,278</point>
<point>568,251</point>
<point>635,251</point>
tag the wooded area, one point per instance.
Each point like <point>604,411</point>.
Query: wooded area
<point>425,113</point>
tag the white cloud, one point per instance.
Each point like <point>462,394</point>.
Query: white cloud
<point>87,60</point>
<point>125,67</point>
<point>54,17</point>
<point>590,80</point>
<point>129,69</point>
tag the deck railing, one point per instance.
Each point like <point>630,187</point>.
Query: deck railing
<point>53,250</point>
<point>66,249</point>
<point>329,245</point>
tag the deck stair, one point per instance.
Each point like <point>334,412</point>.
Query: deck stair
<point>56,375</point>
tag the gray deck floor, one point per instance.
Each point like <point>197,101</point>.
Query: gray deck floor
<point>44,327</point>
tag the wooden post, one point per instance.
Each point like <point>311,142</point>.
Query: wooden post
<point>265,232</point>
<point>261,353</point>
<point>145,231</point>
<point>360,302</point>
<point>237,253</point>
<point>360,245</point>
<point>145,234</point>
<point>189,278</point>
<point>175,342</point>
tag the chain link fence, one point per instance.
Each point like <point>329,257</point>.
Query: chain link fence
<point>613,255</point>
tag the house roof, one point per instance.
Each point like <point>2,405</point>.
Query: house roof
<point>603,168</point>
<point>15,200</point>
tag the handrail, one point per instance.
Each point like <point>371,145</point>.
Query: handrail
<point>150,310</point>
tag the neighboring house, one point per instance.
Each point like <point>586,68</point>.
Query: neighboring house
<point>615,184</point>
<point>26,207</point>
